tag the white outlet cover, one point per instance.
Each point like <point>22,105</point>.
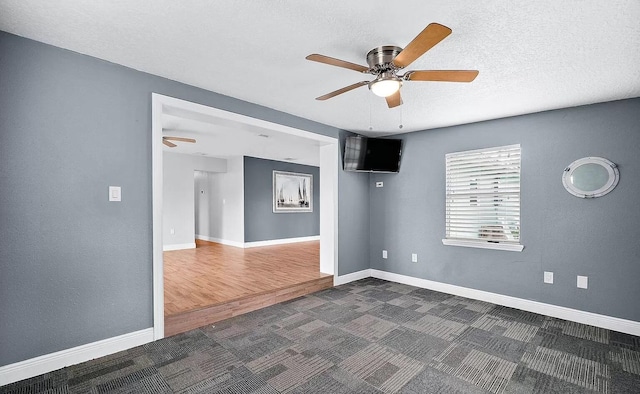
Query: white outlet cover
<point>379,184</point>
<point>548,277</point>
<point>414,257</point>
<point>384,254</point>
<point>583,282</point>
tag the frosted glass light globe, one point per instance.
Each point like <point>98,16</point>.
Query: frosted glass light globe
<point>385,87</point>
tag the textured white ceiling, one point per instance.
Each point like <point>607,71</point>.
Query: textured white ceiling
<point>226,141</point>
<point>532,56</point>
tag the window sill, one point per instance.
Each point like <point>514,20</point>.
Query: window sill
<point>483,245</point>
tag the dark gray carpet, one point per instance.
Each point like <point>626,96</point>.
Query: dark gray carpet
<point>369,336</point>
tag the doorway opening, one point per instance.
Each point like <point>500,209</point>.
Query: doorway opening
<point>327,151</point>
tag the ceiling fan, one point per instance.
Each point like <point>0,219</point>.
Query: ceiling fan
<point>385,62</point>
<point>167,141</point>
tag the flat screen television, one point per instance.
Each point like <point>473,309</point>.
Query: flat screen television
<point>372,154</point>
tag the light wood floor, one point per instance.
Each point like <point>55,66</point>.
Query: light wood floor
<point>214,273</point>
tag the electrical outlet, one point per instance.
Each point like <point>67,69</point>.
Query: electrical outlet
<point>384,254</point>
<point>414,257</point>
<point>379,184</point>
<point>583,282</point>
<point>172,231</point>
<point>548,277</point>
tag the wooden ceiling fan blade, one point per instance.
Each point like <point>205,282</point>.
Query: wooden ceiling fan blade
<point>169,144</point>
<point>442,75</point>
<point>181,139</point>
<point>336,62</point>
<point>394,100</point>
<point>427,39</point>
<point>343,90</point>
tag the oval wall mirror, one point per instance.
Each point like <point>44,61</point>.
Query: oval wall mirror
<point>590,177</point>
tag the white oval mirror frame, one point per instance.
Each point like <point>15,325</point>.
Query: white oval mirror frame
<point>590,177</point>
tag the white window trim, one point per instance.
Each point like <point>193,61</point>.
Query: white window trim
<point>481,244</point>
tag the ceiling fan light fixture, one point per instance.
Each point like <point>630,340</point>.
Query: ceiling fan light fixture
<point>385,85</point>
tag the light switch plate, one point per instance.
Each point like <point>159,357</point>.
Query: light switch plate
<point>548,277</point>
<point>583,282</point>
<point>379,184</point>
<point>384,254</point>
<point>115,193</point>
<point>414,257</point>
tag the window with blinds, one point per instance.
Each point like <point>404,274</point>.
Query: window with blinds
<point>483,198</point>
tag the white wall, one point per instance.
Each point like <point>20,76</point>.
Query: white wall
<point>178,200</point>
<point>219,200</point>
<point>204,210</point>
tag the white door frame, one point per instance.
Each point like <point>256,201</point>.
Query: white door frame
<point>328,152</point>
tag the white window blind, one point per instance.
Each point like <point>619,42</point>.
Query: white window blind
<point>483,198</point>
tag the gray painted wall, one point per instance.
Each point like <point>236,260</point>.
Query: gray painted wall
<point>561,233</point>
<point>353,210</point>
<point>260,223</point>
<point>75,268</point>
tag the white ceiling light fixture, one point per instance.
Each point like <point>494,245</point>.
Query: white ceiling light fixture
<point>385,85</point>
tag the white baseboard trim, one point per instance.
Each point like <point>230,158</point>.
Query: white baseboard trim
<point>281,241</point>
<point>352,277</point>
<point>50,362</point>
<point>167,248</point>
<point>578,316</point>
<point>220,241</point>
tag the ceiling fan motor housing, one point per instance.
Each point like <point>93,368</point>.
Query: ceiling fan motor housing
<point>380,58</point>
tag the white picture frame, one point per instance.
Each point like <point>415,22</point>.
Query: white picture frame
<point>292,192</point>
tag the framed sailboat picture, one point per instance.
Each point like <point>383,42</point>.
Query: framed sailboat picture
<point>292,192</point>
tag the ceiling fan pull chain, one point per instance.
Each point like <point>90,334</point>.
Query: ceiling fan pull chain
<point>400,126</point>
<point>370,125</point>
